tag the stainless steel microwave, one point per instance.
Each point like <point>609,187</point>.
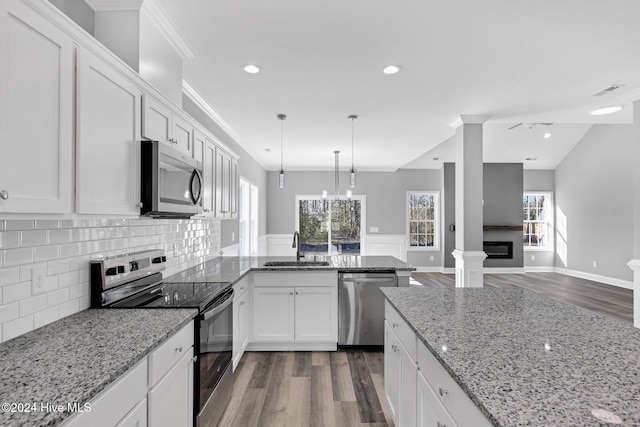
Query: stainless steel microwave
<point>171,182</point>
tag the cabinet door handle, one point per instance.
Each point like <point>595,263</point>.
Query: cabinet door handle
<point>290,293</point>
<point>140,205</point>
<point>395,348</point>
<point>179,349</point>
<point>195,359</point>
<point>4,194</point>
<point>443,391</point>
<point>394,325</point>
<point>439,424</point>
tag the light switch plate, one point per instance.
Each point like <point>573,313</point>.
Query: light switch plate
<point>373,229</point>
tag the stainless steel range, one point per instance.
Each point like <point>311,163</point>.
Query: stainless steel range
<point>135,281</point>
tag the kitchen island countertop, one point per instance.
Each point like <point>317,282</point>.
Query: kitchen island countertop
<point>232,269</point>
<point>73,359</point>
<point>527,360</point>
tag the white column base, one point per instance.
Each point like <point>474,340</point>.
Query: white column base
<point>469,268</point>
<point>634,265</point>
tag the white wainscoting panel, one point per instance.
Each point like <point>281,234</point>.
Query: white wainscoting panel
<point>280,245</point>
<point>387,244</point>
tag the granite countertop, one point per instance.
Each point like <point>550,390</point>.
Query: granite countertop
<point>525,359</point>
<point>74,358</point>
<point>232,269</point>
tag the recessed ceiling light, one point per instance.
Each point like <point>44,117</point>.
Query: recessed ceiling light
<point>391,69</point>
<point>268,150</point>
<point>531,159</point>
<point>547,135</point>
<point>606,110</point>
<point>251,68</point>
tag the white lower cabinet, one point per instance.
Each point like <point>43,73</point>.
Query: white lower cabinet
<point>294,310</point>
<point>171,400</point>
<point>157,391</point>
<point>417,388</point>
<point>240,319</point>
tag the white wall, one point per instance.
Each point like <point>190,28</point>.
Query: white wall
<point>594,203</point>
<point>63,248</point>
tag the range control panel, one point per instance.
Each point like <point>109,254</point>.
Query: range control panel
<point>113,271</point>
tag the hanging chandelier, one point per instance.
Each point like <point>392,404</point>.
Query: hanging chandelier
<point>282,118</point>
<point>352,174</point>
<point>325,193</point>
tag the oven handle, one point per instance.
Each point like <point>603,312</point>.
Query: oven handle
<point>220,308</point>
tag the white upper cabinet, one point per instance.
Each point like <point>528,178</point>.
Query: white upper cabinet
<point>226,185</point>
<point>161,123</point>
<point>36,107</point>
<point>108,139</point>
<point>209,177</point>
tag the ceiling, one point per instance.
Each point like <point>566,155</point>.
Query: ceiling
<point>321,61</point>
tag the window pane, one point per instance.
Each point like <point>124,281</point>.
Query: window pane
<point>413,240</point>
<point>413,227</point>
<point>313,215</point>
<point>429,227</point>
<point>345,236</point>
<point>429,240</point>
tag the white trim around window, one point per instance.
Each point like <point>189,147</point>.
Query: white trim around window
<point>428,228</point>
<point>549,215</point>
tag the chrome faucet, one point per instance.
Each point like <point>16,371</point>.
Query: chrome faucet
<point>296,244</point>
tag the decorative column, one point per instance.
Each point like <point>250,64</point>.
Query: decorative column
<point>634,264</point>
<point>469,254</point>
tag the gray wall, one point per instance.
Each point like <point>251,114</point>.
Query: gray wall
<point>539,180</point>
<point>502,194</point>
<point>386,194</point>
<point>636,185</point>
<point>594,197</point>
<point>248,167</point>
<point>79,12</point>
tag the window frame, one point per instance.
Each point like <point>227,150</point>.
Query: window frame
<point>436,221</point>
<point>363,215</point>
<point>550,215</point>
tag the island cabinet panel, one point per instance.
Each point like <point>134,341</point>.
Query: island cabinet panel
<point>108,139</point>
<point>36,112</point>
<point>294,310</point>
<point>400,390</point>
<point>430,410</point>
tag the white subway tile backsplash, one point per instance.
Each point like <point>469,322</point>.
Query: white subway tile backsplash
<point>9,239</point>
<point>17,256</point>
<point>58,297</point>
<point>17,327</point>
<point>64,248</point>
<point>47,224</point>
<point>33,305</point>
<point>16,292</point>
<point>9,312</point>
<point>45,317</point>
<point>19,225</point>
<point>9,276</point>
<point>46,253</point>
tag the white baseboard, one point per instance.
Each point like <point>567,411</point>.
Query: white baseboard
<point>503,270</point>
<point>540,269</point>
<point>596,278</point>
<point>429,269</point>
<point>450,270</point>
<point>292,346</point>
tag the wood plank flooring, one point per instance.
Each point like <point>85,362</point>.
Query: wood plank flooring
<point>606,299</point>
<point>317,389</point>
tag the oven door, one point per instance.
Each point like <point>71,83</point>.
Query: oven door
<point>216,343</point>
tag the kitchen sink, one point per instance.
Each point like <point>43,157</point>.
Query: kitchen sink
<point>296,263</point>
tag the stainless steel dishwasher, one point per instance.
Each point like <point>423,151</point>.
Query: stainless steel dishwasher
<point>361,308</point>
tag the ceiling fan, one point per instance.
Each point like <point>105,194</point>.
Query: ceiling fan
<point>529,125</point>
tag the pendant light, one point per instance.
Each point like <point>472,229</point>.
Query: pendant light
<point>282,118</point>
<point>352,183</point>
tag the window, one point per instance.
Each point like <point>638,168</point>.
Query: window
<point>423,220</point>
<point>537,217</point>
<point>248,218</point>
<point>329,226</point>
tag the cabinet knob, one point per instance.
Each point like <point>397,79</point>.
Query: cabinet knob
<point>179,349</point>
<point>394,325</point>
<point>4,194</point>
<point>443,391</point>
<point>439,424</point>
<point>395,348</point>
<point>195,359</point>
<point>140,205</point>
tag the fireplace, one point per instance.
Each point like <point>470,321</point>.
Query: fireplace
<point>498,250</point>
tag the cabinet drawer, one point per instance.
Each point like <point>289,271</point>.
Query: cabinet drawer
<point>165,356</point>
<point>295,278</point>
<point>430,411</point>
<point>453,398</point>
<point>402,330</point>
<point>240,287</point>
<point>116,401</point>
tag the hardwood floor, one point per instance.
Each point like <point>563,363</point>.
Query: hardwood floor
<point>606,299</point>
<point>275,389</point>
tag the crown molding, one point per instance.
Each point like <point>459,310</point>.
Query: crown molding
<point>113,5</point>
<point>192,94</point>
<point>168,29</point>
